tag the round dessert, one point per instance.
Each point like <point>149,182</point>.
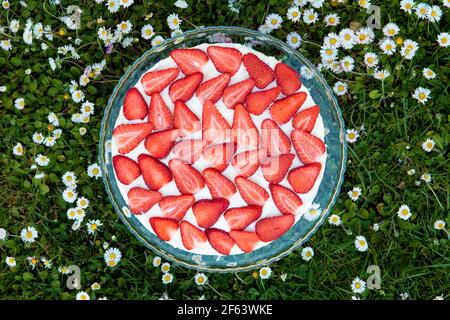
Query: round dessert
<point>219,149</point>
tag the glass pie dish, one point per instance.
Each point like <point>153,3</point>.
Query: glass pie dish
<point>331,182</point>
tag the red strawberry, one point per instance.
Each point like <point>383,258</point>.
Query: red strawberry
<point>244,132</point>
<point>187,179</point>
<point>191,236</point>
<point>272,228</point>
<point>273,139</point>
<point>126,169</point>
<point>237,93</point>
<point>246,163</point>
<point>165,228</point>
<point>214,126</point>
<point>284,109</point>
<point>160,143</point>
<point>141,200</point>
<point>219,186</point>
<point>245,240</point>
<point>175,207</point>
<point>259,101</point>
<point>184,119</point>
<point>134,105</point>
<point>189,60</point>
<point>274,169</point>
<point>309,148</point>
<point>251,192</point>
<point>155,173</point>
<point>306,119</point>
<point>158,114</point>
<point>207,212</point>
<point>183,89</point>
<point>220,240</point>
<point>212,89</point>
<point>157,81</point>
<point>218,156</point>
<point>287,201</point>
<point>128,136</point>
<point>188,150</point>
<point>302,179</point>
<point>226,60</point>
<point>287,78</point>
<point>258,70</point>
<point>241,218</point>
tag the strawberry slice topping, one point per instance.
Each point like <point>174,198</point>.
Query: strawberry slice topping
<point>160,143</point>
<point>185,120</point>
<point>207,212</point>
<point>251,192</point>
<point>187,179</point>
<point>165,228</point>
<point>241,218</point>
<point>258,70</point>
<point>189,150</point>
<point>183,89</point>
<point>302,179</point>
<point>237,93</point>
<point>214,126</point>
<point>141,200</point>
<point>127,170</point>
<point>287,201</point>
<point>157,81</point>
<point>259,101</point>
<point>306,119</point>
<point>175,207</point>
<point>219,186</point>
<point>220,240</point>
<point>272,228</point>
<point>287,78</point>
<point>226,60</point>
<point>191,236</point>
<point>309,148</point>
<point>134,105</point>
<point>244,132</point>
<point>273,139</point>
<point>189,60</point>
<point>246,163</point>
<point>212,89</point>
<point>158,114</point>
<point>275,169</point>
<point>128,136</point>
<point>218,156</point>
<point>155,173</point>
<point>284,109</point>
<point>245,240</point>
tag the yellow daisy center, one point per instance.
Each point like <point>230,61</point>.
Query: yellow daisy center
<point>94,226</point>
<point>274,21</point>
<point>29,234</point>
<point>341,87</point>
<point>112,256</point>
<point>362,243</point>
<point>95,171</point>
<point>358,285</point>
<point>264,272</point>
<point>422,96</point>
<point>333,41</point>
<point>351,135</point>
<point>200,279</point>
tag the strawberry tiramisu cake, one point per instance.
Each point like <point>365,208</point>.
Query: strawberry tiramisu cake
<point>218,149</point>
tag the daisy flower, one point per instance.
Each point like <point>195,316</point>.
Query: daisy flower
<point>358,285</point>
<point>422,10</point>
<point>82,203</point>
<point>126,3</point>
<point>79,214</point>
<point>127,42</point>
<point>421,94</point>
<point>95,286</point>
<point>38,30</point>
<point>352,135</point>
<point>19,103</point>
<point>361,244</point>
<point>200,279</point>
<point>283,277</point>
<point>42,160</point>
<point>156,41</point>
<point>11,261</point>
<point>87,108</point>
<point>69,195</point>
<point>63,270</point>
<point>409,49</point>
<point>426,177</point>
<point>71,213</point>
<point>364,3</point>
<point>293,14</point>
<point>334,220</point>
<point>14,26</point>
<point>388,46</point>
<point>381,74</point>
<point>181,4</point>
<point>340,88</point>
<point>441,297</point>
<point>94,171</point>
<point>294,40</point>
<point>28,234</point>
<point>444,39</point>
<point>126,212</point>
<point>17,150</point>
<point>391,30</point>
<point>173,21</point>
<point>5,44</point>
<point>165,267</point>
<point>113,5</point>
<point>3,234</point>
<point>328,53</point>
<point>404,212</point>
<point>147,32</point>
<point>376,227</point>
<point>156,261</point>
<point>348,38</point>
<point>313,212</point>
<point>347,64</point>
<point>93,225</point>
<point>69,179</point>
<point>306,73</point>
<point>428,145</point>
<point>274,21</point>
<point>307,253</point>
<point>33,261</point>
<point>82,295</point>
<point>167,278</point>
<point>332,40</point>
<point>78,96</point>
<point>411,172</point>
<point>49,141</point>
<point>310,16</point>
<point>428,73</point>
<point>364,36</point>
<point>265,272</point>
<point>317,3</point>
<point>439,224</point>
<point>407,5</point>
<point>331,20</point>
<point>354,193</point>
<point>53,119</point>
<point>112,257</point>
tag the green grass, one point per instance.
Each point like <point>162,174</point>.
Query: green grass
<point>413,257</point>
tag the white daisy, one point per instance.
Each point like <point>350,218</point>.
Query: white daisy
<point>348,38</point>
<point>411,172</point>
<point>428,73</point>
<point>11,261</point>
<point>113,5</point>
<point>335,220</point>
<point>78,96</point>
<point>340,88</point>
<point>274,21</point>
<point>3,234</point>
<point>409,49</point>
<point>364,36</point>
<point>69,179</point>
<point>126,3</point>
<point>93,225</point>
<point>156,41</point>
<point>84,80</point>
<point>310,16</point>
<point>28,234</point>
<point>328,53</point>
<point>125,27</point>
<point>19,103</point>
<point>404,212</point>
<point>17,149</point>
<point>87,108</point>
<point>126,212</point>
<point>14,26</point>
<point>293,14</point>
<point>165,267</point>
<point>69,195</point>
<point>173,21</point>
<point>265,28</point>
<point>428,145</point>
<point>181,4</point>
<point>147,32</point>
<point>358,285</point>
<point>156,261</point>
<point>53,119</point>
<point>38,30</point>
<point>127,42</point>
<point>388,46</point>
<point>381,74</point>
<point>112,257</point>
<point>5,44</point>
<point>347,64</point>
<point>446,3</point>
<point>306,73</point>
<point>47,263</point>
<point>361,243</point>
<point>71,214</point>
<point>201,279</point>
<point>407,5</point>
<point>57,133</point>
<point>294,40</point>
<point>79,214</point>
<point>265,272</point>
<point>354,193</point>
<point>439,224</point>
<point>82,202</point>
<point>422,10</point>
<point>421,94</point>
<point>50,141</point>
<point>32,261</point>
<point>391,29</point>
<point>364,3</point>
<point>95,286</point>
<point>444,39</point>
<point>307,253</point>
<point>313,212</point>
<point>42,160</point>
<point>94,171</point>
<point>82,295</point>
<point>317,3</point>
<point>332,40</point>
<point>167,278</point>
<point>425,177</point>
<point>332,20</point>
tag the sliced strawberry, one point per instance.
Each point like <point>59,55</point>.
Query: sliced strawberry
<point>251,192</point>
<point>302,179</point>
<point>219,186</point>
<point>134,105</point>
<point>128,136</point>
<point>127,170</point>
<point>244,132</point>
<point>273,139</point>
<point>246,163</point>
<point>259,101</point>
<point>218,156</point>
<point>220,240</point>
<point>287,201</point>
<point>191,236</point>
<point>158,114</point>
<point>272,228</point>
<point>275,169</point>
<point>212,89</point>
<point>175,207</point>
<point>287,78</point>
<point>309,148</point>
<point>306,119</point>
<point>226,60</point>
<point>189,60</point>
<point>185,120</point>
<point>188,150</point>
<point>214,126</point>
<point>207,212</point>
<point>183,89</point>
<point>187,179</point>
<point>258,70</point>
<point>246,240</point>
<point>165,228</point>
<point>241,218</point>
<point>157,81</point>
<point>155,173</point>
<point>284,109</point>
<point>141,200</point>
<point>160,143</point>
<point>237,93</point>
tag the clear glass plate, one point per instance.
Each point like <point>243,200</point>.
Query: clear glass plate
<point>334,139</point>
